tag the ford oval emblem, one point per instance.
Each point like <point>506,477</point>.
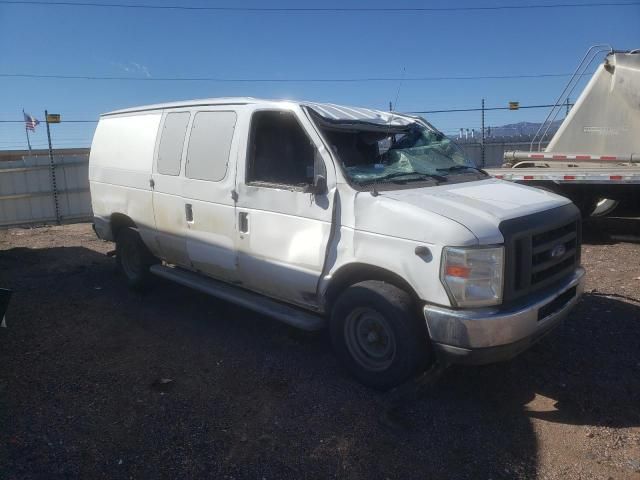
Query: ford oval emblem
<point>558,251</point>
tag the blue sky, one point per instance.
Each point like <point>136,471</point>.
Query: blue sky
<point>165,43</point>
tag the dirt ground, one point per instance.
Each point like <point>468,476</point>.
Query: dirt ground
<point>82,394</point>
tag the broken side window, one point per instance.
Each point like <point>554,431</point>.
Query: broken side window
<point>280,152</point>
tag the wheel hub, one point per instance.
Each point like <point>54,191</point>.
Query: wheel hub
<point>370,338</point>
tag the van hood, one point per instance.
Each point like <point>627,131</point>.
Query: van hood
<point>475,210</point>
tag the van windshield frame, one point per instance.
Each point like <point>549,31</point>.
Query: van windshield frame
<point>392,156</point>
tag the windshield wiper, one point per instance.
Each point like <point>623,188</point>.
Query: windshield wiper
<point>420,176</point>
<point>456,168</point>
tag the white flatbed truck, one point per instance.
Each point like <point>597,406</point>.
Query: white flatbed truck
<point>594,157</point>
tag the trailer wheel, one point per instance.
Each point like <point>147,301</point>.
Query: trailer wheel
<point>586,204</point>
<point>604,207</point>
<point>377,334</point>
<point>133,258</point>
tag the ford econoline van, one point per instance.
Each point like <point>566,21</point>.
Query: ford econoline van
<point>370,223</point>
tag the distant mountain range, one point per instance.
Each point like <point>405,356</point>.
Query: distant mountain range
<point>520,128</point>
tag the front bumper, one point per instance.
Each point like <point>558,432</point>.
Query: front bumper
<point>495,334</point>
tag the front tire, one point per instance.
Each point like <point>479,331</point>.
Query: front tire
<point>377,334</point>
<point>133,258</point>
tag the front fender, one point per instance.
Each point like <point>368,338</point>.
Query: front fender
<point>416,263</point>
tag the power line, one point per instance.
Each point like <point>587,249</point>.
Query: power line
<point>61,139</point>
<point>485,109</point>
<point>480,8</point>
<point>413,111</point>
<point>61,121</point>
<point>283,80</point>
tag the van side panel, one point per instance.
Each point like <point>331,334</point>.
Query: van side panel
<point>168,204</point>
<point>120,166</point>
<point>209,179</point>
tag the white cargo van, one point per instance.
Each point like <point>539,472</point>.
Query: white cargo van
<point>371,223</point>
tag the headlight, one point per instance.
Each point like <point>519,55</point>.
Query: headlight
<point>473,277</point>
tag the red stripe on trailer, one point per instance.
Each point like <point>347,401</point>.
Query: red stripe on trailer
<point>606,157</point>
<point>615,177</point>
<point>583,157</point>
<point>528,177</point>
<point>569,177</point>
<point>559,157</point>
<point>500,176</point>
<point>536,155</point>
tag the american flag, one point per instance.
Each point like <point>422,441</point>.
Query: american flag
<point>30,122</point>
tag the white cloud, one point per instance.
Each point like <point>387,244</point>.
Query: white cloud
<point>133,67</point>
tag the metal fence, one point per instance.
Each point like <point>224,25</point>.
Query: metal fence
<point>493,151</point>
<point>35,192</point>
<point>32,192</point>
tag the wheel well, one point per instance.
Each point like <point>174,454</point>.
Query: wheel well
<point>119,221</point>
<point>360,272</point>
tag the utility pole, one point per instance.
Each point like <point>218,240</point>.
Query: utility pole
<point>568,107</point>
<point>482,138</point>
<point>52,169</point>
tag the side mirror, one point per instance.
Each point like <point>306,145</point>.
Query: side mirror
<point>319,186</point>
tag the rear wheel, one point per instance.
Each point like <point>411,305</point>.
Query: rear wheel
<point>377,334</point>
<point>133,258</point>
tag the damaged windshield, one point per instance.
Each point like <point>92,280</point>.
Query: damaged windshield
<point>378,153</point>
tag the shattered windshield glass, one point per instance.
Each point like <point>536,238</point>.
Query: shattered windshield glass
<point>395,153</point>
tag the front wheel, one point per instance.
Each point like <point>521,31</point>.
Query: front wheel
<point>377,334</point>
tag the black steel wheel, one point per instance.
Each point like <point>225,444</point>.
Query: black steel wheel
<point>377,334</point>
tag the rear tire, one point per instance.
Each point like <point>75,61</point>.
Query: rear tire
<point>377,334</point>
<point>133,258</point>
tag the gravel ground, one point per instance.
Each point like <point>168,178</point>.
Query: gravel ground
<point>97,381</point>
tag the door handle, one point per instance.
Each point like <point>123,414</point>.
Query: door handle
<point>188,212</point>
<point>243,222</point>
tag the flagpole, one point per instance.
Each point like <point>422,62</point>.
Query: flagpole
<point>52,168</point>
<point>26,130</point>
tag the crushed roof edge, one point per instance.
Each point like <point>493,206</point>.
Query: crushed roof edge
<point>252,100</point>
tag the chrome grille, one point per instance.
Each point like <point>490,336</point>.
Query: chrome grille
<point>540,250</point>
<point>553,252</point>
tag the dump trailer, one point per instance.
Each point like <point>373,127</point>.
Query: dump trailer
<point>594,157</point>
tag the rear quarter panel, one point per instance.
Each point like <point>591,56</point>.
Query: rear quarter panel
<point>120,167</point>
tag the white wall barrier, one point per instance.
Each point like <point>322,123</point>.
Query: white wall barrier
<point>30,196</point>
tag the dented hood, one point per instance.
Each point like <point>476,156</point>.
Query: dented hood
<point>474,211</point>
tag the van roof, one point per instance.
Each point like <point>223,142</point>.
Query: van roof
<point>329,111</point>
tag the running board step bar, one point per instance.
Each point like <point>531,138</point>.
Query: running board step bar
<point>290,315</point>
